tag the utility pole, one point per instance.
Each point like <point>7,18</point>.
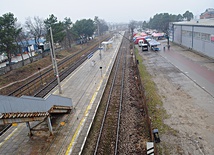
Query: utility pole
<point>53,57</point>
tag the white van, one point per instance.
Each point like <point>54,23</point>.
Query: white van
<point>140,43</point>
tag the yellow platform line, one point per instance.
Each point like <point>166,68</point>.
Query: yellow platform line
<point>9,136</point>
<point>77,132</point>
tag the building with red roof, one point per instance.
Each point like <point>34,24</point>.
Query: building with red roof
<point>209,13</point>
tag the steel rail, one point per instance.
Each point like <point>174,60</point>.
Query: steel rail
<point>69,132</point>
<point>50,86</point>
<point>108,101</point>
<point>24,87</point>
<point>121,101</point>
<point>31,83</point>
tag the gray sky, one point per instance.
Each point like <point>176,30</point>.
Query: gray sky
<point>110,10</point>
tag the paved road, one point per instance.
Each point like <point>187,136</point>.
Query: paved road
<point>189,108</point>
<point>200,74</point>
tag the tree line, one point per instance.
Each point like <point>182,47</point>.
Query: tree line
<point>14,36</point>
<point>161,21</point>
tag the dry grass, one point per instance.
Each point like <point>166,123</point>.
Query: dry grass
<point>154,103</point>
<point>30,69</point>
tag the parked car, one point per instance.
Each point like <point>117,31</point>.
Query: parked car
<point>3,58</point>
<point>12,62</point>
<point>155,48</point>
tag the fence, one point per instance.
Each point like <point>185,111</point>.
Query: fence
<point>4,70</point>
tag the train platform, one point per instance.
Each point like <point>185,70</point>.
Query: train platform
<point>85,87</point>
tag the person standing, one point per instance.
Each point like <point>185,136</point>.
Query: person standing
<point>168,47</point>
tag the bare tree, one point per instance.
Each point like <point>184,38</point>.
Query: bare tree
<point>132,26</point>
<point>22,40</point>
<point>101,25</point>
<point>36,28</point>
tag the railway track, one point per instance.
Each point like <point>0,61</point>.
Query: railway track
<point>120,125</point>
<point>115,124</point>
<point>108,138</point>
<point>43,83</point>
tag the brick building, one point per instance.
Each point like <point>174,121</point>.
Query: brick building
<point>209,13</point>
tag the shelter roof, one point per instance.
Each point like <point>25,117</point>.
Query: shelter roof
<point>10,104</point>
<point>198,22</point>
<point>31,42</point>
<point>153,42</point>
<point>157,34</point>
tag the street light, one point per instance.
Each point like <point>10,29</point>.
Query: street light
<point>53,57</point>
<point>101,71</point>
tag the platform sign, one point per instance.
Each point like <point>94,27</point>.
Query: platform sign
<point>90,55</point>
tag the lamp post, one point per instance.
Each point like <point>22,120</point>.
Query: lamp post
<point>53,57</point>
<point>101,71</point>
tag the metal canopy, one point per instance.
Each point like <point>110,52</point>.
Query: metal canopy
<point>27,108</point>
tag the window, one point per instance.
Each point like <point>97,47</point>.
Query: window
<point>186,33</point>
<point>205,36</point>
<point>197,35</point>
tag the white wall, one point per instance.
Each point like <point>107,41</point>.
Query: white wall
<point>205,47</point>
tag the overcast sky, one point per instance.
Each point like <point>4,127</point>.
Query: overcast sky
<point>110,10</point>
